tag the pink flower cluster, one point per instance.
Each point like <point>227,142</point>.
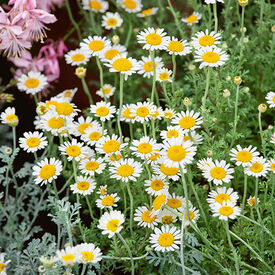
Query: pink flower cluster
<point>22,24</point>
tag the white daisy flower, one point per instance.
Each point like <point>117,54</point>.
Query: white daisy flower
<point>154,39</point>
<point>168,114</point>
<point>102,190</point>
<point>82,124</point>
<point>111,21</point>
<point>154,158</point>
<point>188,120</point>
<point>77,57</point>
<point>145,65</point>
<point>243,156</point>
<point>178,47</point>
<point>159,203</point>
<point>9,117</point>
<point>52,103</point>
<point>157,113</point>
<point>126,113</point>
<point>193,137</point>
<point>84,185</point>
<point>32,83</point>
<point>66,109</point>
<point>257,168</point>
<point>221,195</point>
<point>95,5</point>
<point>156,186</point>
<point>144,147</point>
<point>126,170</point>
<point>174,201</point>
<point>203,39</point>
<point>110,52</point>
<point>53,123</point>
<point>171,132</point>
<point>192,19</point>
<point>46,170</point>
<point>67,256</point>
<point>67,95</point>
<point>213,1</point>
<point>226,211</point>
<point>166,217</point>
<point>93,134</point>
<point>142,111</point>
<point>111,223</point>
<point>3,264</point>
<point>210,56</point>
<point>270,99</point>
<point>193,216</point>
<point>165,239</point>
<point>131,6</point>
<point>164,171</point>
<point>218,172</point>
<point>204,164</point>
<point>73,149</point>
<point>107,201</point>
<point>92,166</point>
<point>103,110</point>
<point>271,165</point>
<point>163,75</point>
<point>108,91</point>
<point>147,12</point>
<point>177,152</point>
<point>88,253</point>
<point>109,145</point>
<point>145,218</point>
<point>32,142</point>
<point>95,44</point>
<point>252,201</point>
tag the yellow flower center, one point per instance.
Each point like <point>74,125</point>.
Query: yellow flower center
<point>96,45</point>
<point>108,201</point>
<point>128,114</point>
<point>83,185</point>
<point>272,166</point>
<point>112,225</point>
<point>111,22</point>
<point>78,57</point>
<point>218,173</point>
<point>174,203</point>
<point>142,111</point>
<point>94,136</point>
<point>122,64</point>
<point>148,66</point>
<point>168,115</point>
<point>51,102</point>
<point>111,146</point>
<point>56,122</point>
<point>154,156</point>
<point>73,151</point>
<point>153,39</point>
<point>106,91</point>
<point>147,12</point>
<point>47,171</point>
<point>251,201</point>
<point>211,57</point>
<point>176,153</point>
<point>244,156</point>
<point>130,4</point>
<point>187,122</point>
<point>115,157</point>
<point>145,216</point>
<point>144,148</point>
<point>175,46</point>
<point>155,114</point>
<point>166,239</point>
<point>168,171</point>
<point>220,198</point>
<point>192,18</point>
<point>191,215</point>
<point>64,108</point>
<point>83,126</point>
<point>91,165</point>
<point>33,142</point>
<point>256,167</point>
<point>87,256</point>
<point>110,54</point>
<point>103,191</point>
<point>32,83</point>
<point>172,133</point>
<point>2,266</point>
<point>206,40</point>
<point>95,5</point>
<point>167,219</point>
<point>12,118</point>
<point>157,185</point>
<point>159,201</point>
<point>68,93</point>
<point>163,76</point>
<point>125,170</point>
<point>102,111</point>
<point>226,210</point>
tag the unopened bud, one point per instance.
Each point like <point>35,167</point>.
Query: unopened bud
<point>191,67</point>
<point>270,127</point>
<point>205,187</point>
<point>226,93</point>
<point>243,3</point>
<point>228,78</point>
<point>237,80</point>
<point>246,89</point>
<point>224,46</point>
<point>209,153</point>
<point>139,130</point>
<point>214,119</point>
<point>273,28</point>
<point>80,72</point>
<point>187,102</point>
<point>41,109</point>
<point>8,150</point>
<point>41,269</point>
<point>115,39</point>
<point>126,139</point>
<point>245,40</point>
<point>262,108</point>
<point>244,29</point>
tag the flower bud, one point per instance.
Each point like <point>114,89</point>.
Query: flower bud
<point>270,127</point>
<point>244,29</point>
<point>214,119</point>
<point>224,45</point>
<point>226,93</point>
<point>115,39</point>
<point>228,78</point>
<point>126,139</point>
<point>8,150</point>
<point>41,269</point>
<point>273,28</point>
<point>237,80</point>
<point>205,187</point>
<point>148,248</point>
<point>243,3</point>
<point>139,130</point>
<point>41,109</point>
<point>245,40</point>
<point>262,108</point>
<point>80,72</point>
<point>191,67</point>
<point>187,102</point>
<point>209,153</point>
<point>246,89</point>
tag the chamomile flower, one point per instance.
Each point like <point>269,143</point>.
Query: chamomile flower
<point>165,239</point>
<point>145,65</point>
<point>210,56</point>
<point>147,12</point>
<point>88,253</point>
<point>192,19</point>
<point>174,201</point>
<point>9,117</point>
<point>166,217</point>
<point>53,123</point>
<point>163,75</point>
<point>164,171</point>
<point>84,185</point>
<point>109,145</point>
<point>177,152</point>
<point>111,223</point>
<point>110,52</point>
<point>252,201</point>
<point>144,147</point>
<point>212,1</point>
<point>32,83</point>
<point>271,165</point>
<point>67,95</point>
<point>95,5</point>
<point>156,186</point>
<point>168,114</point>
<point>123,64</point>
<point>153,39</point>
<point>127,114</point>
<point>3,264</point>
<point>192,217</point>
<point>203,39</point>
<point>178,47</point>
<point>257,168</point>
<point>126,170</point>
<point>154,158</point>
<point>243,156</point>
<point>47,170</point>
<point>107,91</point>
<point>114,157</point>
<point>77,57</point>
<point>219,172</point>
<point>32,142</point>
<point>188,120</point>
<point>131,6</point>
<point>82,124</point>
<point>92,166</point>
<point>221,195</point>
<point>204,164</point>
<point>102,190</point>
<point>157,113</point>
<point>159,203</point>
<point>142,111</point>
<point>171,132</point>
<point>111,21</point>
<point>67,256</point>
<point>66,109</point>
<point>228,210</point>
<point>193,137</point>
<point>107,201</point>
<point>51,104</point>
<point>73,149</point>
<point>270,98</point>
<point>103,110</point>
<point>145,218</point>
<point>95,44</point>
<point>93,134</point>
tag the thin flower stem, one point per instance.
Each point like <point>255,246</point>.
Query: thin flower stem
<point>261,13</point>
<point>210,17</point>
<point>55,190</point>
<point>74,169</point>
<point>242,33</point>
<point>174,73</point>
<point>130,29</point>
<point>152,54</point>
<point>86,90</point>
<point>245,191</point>
<point>84,269</point>
<point>256,198</point>
<point>235,114</point>
<point>79,218</point>
<point>101,77</point>
<point>35,156</point>
<point>215,16</point>
<point>261,132</point>
<point>147,168</point>
<point>131,207</point>
<point>66,184</point>
<point>176,19</point>
<point>129,252</point>
<point>14,137</point>
<point>206,88</point>
<point>144,129</point>
<point>69,231</point>
<point>72,19</point>
<point>90,207</point>
<point>124,198</point>
<point>131,131</point>
<point>125,258</point>
<point>35,99</point>
<point>120,105</point>
<point>153,129</point>
<point>165,93</point>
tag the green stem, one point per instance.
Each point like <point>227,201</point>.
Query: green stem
<point>235,114</point>
<point>215,16</point>
<point>153,129</point>
<point>90,207</point>
<point>165,93</point>
<point>210,17</point>
<point>125,258</point>
<point>129,34</point>
<point>261,13</point>
<point>245,191</point>
<point>72,19</point>
<point>256,198</point>
<point>101,76</point>
<point>66,184</point>
<point>84,269</point>
<point>206,89</point>
<point>242,33</point>
<point>120,106</point>
<point>124,198</point>
<point>69,231</point>
<point>14,137</point>
<point>55,190</point>
<point>74,169</point>
<point>86,90</point>
<point>79,218</point>
<point>144,129</point>
<point>176,19</point>
<point>35,156</point>
<point>152,54</point>
<point>174,73</point>
<point>131,131</point>
<point>131,207</point>
<point>261,132</point>
<point>35,99</point>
